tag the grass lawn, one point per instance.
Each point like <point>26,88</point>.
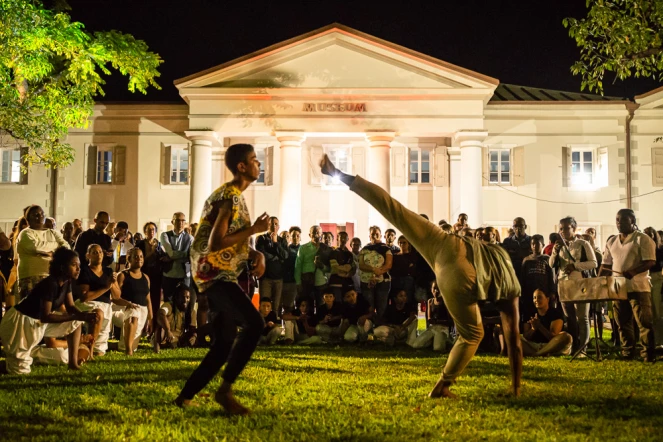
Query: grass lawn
<point>336,393</point>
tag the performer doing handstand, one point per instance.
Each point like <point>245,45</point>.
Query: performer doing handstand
<point>467,271</point>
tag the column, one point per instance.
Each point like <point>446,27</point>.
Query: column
<point>471,181</point>
<point>200,181</point>
<point>378,171</point>
<point>290,195</point>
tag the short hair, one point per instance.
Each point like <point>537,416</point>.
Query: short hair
<point>237,153</point>
<point>122,225</point>
<point>265,299</point>
<point>423,215</point>
<point>29,209</point>
<point>61,259</point>
<point>328,291</point>
<point>370,229</point>
<point>343,233</point>
<point>133,252</point>
<point>91,246</point>
<point>553,237</point>
<point>463,214</point>
<point>547,295</point>
<point>294,229</point>
<point>569,220</point>
<point>273,217</point>
<point>628,212</point>
<point>403,238</point>
<point>176,214</point>
<point>182,287</point>
<point>446,227</point>
<point>101,213</point>
<point>355,239</point>
<point>147,224</point>
<point>538,238</point>
<point>313,227</point>
<point>386,232</point>
<point>442,222</point>
<point>328,233</point>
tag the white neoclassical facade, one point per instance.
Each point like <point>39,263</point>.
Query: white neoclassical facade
<point>440,138</point>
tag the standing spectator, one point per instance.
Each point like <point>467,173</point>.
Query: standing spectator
<point>343,267</point>
<point>543,335</point>
<point>632,254</point>
<point>461,223</point>
<point>656,273</point>
<point>110,228</point>
<point>35,247</point>
<point>536,274</point>
<point>152,254</point>
<point>490,235</point>
<point>78,224</point>
<point>12,280</point>
<point>96,235</point>
<point>399,322</point>
<point>355,247</point>
<point>375,261</point>
<point>570,257</point>
<point>328,239</point>
<point>121,244</point>
<point>390,239</point>
<point>357,318</point>
<point>552,239</point>
<point>404,270</point>
<point>289,293</point>
<point>176,243</point>
<point>68,234</point>
<point>306,275</point>
<point>275,250</point>
<point>519,245</point>
<point>286,235</point>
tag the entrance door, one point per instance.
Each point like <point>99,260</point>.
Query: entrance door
<point>335,229</point>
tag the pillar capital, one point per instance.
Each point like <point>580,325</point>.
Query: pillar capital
<point>290,138</point>
<point>380,139</point>
<point>470,137</point>
<point>202,137</point>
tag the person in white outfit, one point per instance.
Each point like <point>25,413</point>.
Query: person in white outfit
<point>39,315</point>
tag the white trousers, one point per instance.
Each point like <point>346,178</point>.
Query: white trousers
<point>435,335</point>
<point>121,315</point>
<point>49,356</point>
<point>101,344</point>
<point>20,334</point>
<point>355,332</point>
<point>388,334</point>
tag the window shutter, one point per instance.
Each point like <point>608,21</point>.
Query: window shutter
<point>23,177</point>
<point>269,166</point>
<point>317,153</point>
<point>518,166</point>
<point>567,166</point>
<point>399,165</point>
<point>485,166</point>
<point>358,160</point>
<point>91,178</point>
<point>657,166</point>
<point>602,166</point>
<point>119,164</point>
<point>441,166</point>
<point>167,165</point>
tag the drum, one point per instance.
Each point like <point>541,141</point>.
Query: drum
<point>602,288</point>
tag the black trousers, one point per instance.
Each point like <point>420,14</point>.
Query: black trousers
<point>232,309</point>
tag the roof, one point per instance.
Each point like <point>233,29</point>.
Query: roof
<point>515,93</point>
<point>342,29</point>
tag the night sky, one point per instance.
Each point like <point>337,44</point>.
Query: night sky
<point>516,41</point>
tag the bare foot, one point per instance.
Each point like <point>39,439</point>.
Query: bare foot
<point>441,389</point>
<point>129,352</point>
<point>184,403</point>
<point>229,403</point>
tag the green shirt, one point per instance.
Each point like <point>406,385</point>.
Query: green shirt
<point>304,264</point>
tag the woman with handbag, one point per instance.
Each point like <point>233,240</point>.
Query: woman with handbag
<point>573,258</point>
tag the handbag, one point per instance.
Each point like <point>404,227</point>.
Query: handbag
<point>602,288</point>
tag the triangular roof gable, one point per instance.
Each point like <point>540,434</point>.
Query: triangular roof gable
<point>651,100</point>
<point>279,65</point>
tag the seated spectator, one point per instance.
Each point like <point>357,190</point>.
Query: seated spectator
<point>389,239</point>
<point>478,233</point>
<point>357,317</point>
<point>535,274</point>
<point>272,331</point>
<point>552,239</point>
<point>171,329</point>
<point>543,335</point>
<point>300,325</point>
<point>330,315</point>
<point>447,228</point>
<point>404,269</point>
<point>343,267</point>
<point>399,322</point>
<point>40,315</point>
<point>437,333</point>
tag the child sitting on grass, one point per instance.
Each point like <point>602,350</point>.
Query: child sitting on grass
<point>399,322</point>
<point>300,325</point>
<point>357,317</point>
<point>272,331</point>
<point>329,317</point>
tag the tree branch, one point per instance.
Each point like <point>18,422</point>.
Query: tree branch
<point>643,54</point>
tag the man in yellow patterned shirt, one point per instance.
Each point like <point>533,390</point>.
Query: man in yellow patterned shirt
<point>219,252</point>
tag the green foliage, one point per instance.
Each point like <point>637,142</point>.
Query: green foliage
<point>50,72</point>
<point>345,393</point>
<point>620,36</point>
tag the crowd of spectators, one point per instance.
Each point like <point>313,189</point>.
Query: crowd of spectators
<point>329,290</point>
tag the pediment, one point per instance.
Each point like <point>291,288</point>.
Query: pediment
<point>337,57</point>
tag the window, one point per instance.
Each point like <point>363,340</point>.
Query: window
<point>265,155</point>
<point>179,165</point>
<point>104,165</point>
<point>10,164</point>
<point>341,156</point>
<point>419,170</point>
<point>582,167</point>
<point>260,155</point>
<point>500,166</point>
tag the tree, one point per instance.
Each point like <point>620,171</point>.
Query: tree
<point>620,36</point>
<point>50,73</point>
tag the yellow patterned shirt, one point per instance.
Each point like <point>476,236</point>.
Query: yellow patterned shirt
<point>223,265</point>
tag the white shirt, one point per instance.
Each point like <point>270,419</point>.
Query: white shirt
<point>622,256</point>
<point>30,244</point>
<point>572,254</point>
